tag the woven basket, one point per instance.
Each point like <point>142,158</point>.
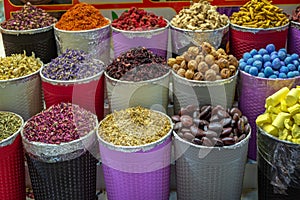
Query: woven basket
<point>278,168</point>
<point>137,172</point>
<point>189,92</point>
<point>243,39</point>
<point>22,95</point>
<point>12,169</point>
<point>294,38</point>
<point>154,40</point>
<point>152,93</point>
<point>182,39</point>
<point>64,171</point>
<point>209,173</point>
<point>41,41</point>
<point>253,92</point>
<point>95,41</point>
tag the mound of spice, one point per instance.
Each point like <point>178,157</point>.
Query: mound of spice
<point>137,19</point>
<point>62,122</point>
<point>296,14</point>
<point>211,125</point>
<point>134,126</point>
<point>80,17</point>
<point>137,64</point>
<point>72,65</point>
<point>29,17</point>
<point>9,124</point>
<point>18,65</point>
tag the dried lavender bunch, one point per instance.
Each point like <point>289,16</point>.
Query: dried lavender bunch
<point>29,17</point>
<point>72,65</point>
<point>62,122</point>
<point>137,64</point>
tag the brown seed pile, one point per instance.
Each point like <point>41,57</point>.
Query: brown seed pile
<point>204,63</point>
<point>134,126</point>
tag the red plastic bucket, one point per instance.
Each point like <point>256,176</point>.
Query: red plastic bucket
<point>243,39</point>
<point>87,93</point>
<point>12,168</point>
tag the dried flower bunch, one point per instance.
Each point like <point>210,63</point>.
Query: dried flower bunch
<point>9,124</point>
<point>62,122</point>
<point>134,126</point>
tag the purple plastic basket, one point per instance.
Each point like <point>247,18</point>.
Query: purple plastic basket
<point>154,40</point>
<point>294,38</point>
<point>253,92</point>
<point>137,172</point>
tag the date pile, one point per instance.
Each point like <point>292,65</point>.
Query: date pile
<point>211,125</point>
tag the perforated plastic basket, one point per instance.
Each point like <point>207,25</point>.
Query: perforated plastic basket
<point>294,38</point>
<point>243,39</point>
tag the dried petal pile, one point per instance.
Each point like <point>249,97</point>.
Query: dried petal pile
<point>29,17</point>
<point>296,15</point>
<point>137,64</point>
<point>62,122</point>
<point>134,126</point>
<point>9,124</point>
<point>72,65</point>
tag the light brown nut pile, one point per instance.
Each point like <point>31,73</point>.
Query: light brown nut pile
<point>18,65</point>
<point>204,63</point>
<point>200,16</point>
<point>259,14</point>
<point>134,126</point>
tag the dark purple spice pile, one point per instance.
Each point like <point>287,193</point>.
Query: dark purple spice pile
<point>137,64</point>
<point>72,65</point>
<point>62,122</point>
<point>29,17</point>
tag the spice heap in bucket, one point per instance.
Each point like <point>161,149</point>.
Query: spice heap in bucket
<point>9,124</point>
<point>211,125</point>
<point>296,15</point>
<point>282,118</point>
<point>269,63</point>
<point>75,77</point>
<point>204,63</point>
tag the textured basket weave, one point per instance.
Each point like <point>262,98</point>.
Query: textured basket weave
<point>182,39</point>
<point>137,172</point>
<point>243,39</point>
<point>22,95</point>
<point>40,41</point>
<point>152,93</point>
<point>12,169</point>
<point>95,41</point>
<point>209,173</point>
<point>87,93</point>
<point>278,168</point>
<point>189,92</point>
<point>154,40</point>
<point>294,38</point>
<point>253,92</point>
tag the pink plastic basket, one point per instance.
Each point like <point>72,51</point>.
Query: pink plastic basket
<point>294,38</point>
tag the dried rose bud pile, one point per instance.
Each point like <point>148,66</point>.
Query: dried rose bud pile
<point>204,63</point>
<point>62,122</point>
<point>134,126</point>
<point>72,65</point>
<point>137,64</point>
<point>29,17</point>
<point>18,65</point>
<point>138,20</point>
<point>296,15</point>
<point>211,125</point>
<point>9,124</point>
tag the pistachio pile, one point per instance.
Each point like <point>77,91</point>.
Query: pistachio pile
<point>200,16</point>
<point>259,14</point>
<point>204,63</point>
<point>18,65</point>
<point>134,126</point>
<point>9,124</point>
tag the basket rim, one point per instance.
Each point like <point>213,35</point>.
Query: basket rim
<point>25,32</point>
<point>132,149</point>
<point>9,140</point>
<point>258,29</point>
<point>142,31</point>
<point>82,31</point>
<point>201,31</point>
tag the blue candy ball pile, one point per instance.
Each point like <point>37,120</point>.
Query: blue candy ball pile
<point>269,63</point>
